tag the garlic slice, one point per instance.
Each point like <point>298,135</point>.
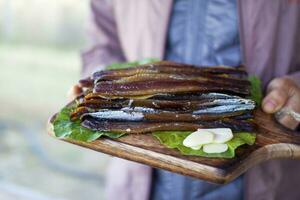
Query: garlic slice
<point>196,147</point>
<point>215,148</point>
<point>222,135</point>
<point>198,138</point>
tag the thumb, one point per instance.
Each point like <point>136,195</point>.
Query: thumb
<point>74,91</point>
<point>274,101</point>
<point>277,96</point>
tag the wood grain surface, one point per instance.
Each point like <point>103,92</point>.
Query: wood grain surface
<point>273,142</point>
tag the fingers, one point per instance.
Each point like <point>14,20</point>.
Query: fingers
<point>74,91</point>
<point>282,93</point>
<point>277,95</point>
<point>288,121</point>
<point>274,101</point>
<point>293,104</point>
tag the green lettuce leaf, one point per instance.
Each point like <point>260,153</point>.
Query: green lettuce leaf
<point>255,90</point>
<point>174,140</point>
<point>65,128</point>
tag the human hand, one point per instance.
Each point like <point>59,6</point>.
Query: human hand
<point>283,93</point>
<point>74,92</point>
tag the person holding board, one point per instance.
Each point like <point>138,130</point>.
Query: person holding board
<point>262,35</point>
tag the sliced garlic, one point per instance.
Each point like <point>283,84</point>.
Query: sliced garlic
<point>222,135</point>
<point>198,137</point>
<point>215,148</point>
<point>196,147</point>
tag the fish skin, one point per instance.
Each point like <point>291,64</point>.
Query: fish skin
<point>148,127</point>
<point>166,96</point>
<point>204,106</point>
<point>164,86</point>
<point>115,115</point>
<point>165,76</point>
<point>132,114</point>
<point>225,109</point>
<point>87,82</point>
<point>166,67</point>
<point>165,103</point>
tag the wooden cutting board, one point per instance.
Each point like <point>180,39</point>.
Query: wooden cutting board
<point>273,142</point>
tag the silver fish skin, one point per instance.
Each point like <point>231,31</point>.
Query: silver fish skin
<point>233,101</point>
<point>217,95</point>
<point>116,115</point>
<point>139,109</point>
<point>225,109</point>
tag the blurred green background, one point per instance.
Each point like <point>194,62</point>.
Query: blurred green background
<point>40,43</point>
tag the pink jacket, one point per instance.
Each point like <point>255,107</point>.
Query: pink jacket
<point>136,29</point>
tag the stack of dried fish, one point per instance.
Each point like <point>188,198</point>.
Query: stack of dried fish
<point>166,96</point>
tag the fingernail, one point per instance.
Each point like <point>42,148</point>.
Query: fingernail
<point>270,106</point>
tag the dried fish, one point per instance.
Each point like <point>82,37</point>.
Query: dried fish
<point>148,114</point>
<point>148,127</point>
<point>187,104</point>
<point>167,67</point>
<point>163,76</point>
<point>165,86</point>
<point>166,96</point>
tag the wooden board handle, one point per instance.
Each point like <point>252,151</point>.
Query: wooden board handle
<point>271,132</point>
